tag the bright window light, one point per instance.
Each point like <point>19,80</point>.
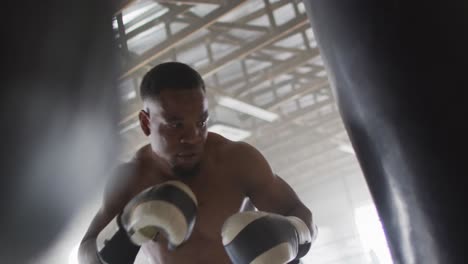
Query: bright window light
<point>148,33</point>
<point>231,133</point>
<point>129,95</point>
<point>371,234</point>
<point>346,148</point>
<point>247,108</point>
<point>147,19</point>
<point>128,16</point>
<point>73,257</point>
<point>129,127</point>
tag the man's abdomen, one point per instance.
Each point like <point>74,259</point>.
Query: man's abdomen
<point>197,250</point>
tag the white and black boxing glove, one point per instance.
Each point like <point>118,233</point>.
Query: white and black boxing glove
<point>257,237</point>
<point>169,208</point>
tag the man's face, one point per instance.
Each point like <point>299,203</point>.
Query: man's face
<point>177,127</point>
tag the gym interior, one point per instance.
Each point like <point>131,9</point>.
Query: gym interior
<point>358,106</point>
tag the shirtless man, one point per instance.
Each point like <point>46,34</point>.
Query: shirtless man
<point>219,172</point>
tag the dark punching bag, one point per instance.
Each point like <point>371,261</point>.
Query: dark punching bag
<point>399,71</point>
<point>59,112</point>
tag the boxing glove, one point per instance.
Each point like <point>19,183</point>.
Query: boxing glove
<point>257,237</point>
<point>168,209</point>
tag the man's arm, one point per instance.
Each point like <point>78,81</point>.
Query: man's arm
<point>115,198</point>
<point>267,191</point>
<point>87,253</point>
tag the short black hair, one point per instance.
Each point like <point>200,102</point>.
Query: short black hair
<point>170,75</point>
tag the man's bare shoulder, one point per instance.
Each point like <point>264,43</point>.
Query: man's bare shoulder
<point>233,151</point>
<point>120,181</point>
<point>127,176</point>
<point>129,170</point>
<point>218,145</point>
<point>142,155</point>
<point>216,142</point>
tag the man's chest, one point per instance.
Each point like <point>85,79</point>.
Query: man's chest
<point>218,191</point>
<point>219,196</point>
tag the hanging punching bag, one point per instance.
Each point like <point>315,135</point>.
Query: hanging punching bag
<point>59,112</point>
<point>399,73</point>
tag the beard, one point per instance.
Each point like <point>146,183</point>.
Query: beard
<point>186,173</point>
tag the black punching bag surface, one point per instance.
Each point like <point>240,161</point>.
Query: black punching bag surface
<point>399,73</point>
<point>58,110</point>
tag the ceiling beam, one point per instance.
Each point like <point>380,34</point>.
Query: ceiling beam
<point>311,87</point>
<point>271,90</point>
<point>277,70</point>
<point>242,20</point>
<point>235,25</point>
<point>258,73</point>
<point>302,88</point>
<point>189,2</point>
<point>257,14</point>
<point>158,50</point>
<point>283,49</point>
<point>253,46</point>
<point>165,18</point>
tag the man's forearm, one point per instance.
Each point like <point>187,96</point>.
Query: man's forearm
<point>87,253</point>
<point>305,215</point>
